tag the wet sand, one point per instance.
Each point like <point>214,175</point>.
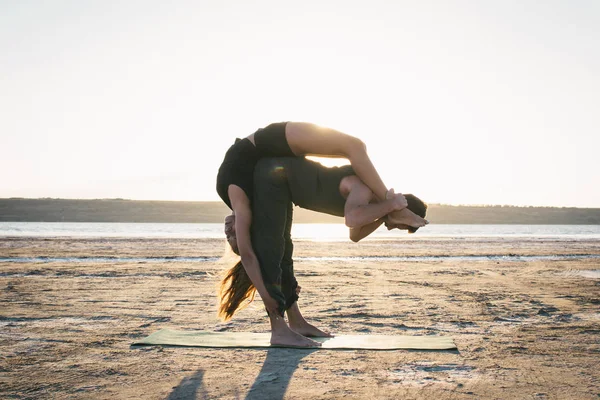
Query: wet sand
<point>526,328</point>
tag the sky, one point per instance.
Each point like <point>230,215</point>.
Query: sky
<point>458,102</point>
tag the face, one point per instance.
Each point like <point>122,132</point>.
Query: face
<point>230,232</point>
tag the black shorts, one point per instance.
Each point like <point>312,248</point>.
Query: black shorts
<point>270,141</point>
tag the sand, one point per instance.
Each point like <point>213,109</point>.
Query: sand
<point>526,328</point>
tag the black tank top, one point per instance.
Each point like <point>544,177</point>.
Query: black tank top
<point>240,159</point>
<point>316,187</point>
<point>237,169</point>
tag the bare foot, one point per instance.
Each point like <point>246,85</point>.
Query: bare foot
<point>289,338</point>
<point>306,329</point>
<point>406,217</point>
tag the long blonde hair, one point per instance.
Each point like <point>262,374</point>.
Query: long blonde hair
<point>236,291</point>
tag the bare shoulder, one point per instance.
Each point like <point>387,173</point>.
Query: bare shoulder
<point>241,207</point>
<point>238,197</point>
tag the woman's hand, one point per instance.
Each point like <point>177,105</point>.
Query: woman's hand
<point>398,200</point>
<point>271,305</point>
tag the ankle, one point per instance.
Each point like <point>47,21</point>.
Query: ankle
<point>277,322</point>
<point>295,319</point>
<point>299,322</point>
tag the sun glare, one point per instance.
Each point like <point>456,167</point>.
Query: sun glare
<point>443,109</point>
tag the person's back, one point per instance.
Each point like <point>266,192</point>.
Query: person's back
<point>311,185</point>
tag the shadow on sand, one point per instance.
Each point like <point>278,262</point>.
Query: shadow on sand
<point>272,381</point>
<point>279,366</point>
<point>276,373</point>
<point>189,388</point>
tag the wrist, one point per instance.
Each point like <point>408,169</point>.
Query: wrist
<point>390,206</point>
<point>264,294</point>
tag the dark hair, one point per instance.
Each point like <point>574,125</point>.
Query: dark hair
<point>417,206</point>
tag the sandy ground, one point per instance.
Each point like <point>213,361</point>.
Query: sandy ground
<point>525,328</point>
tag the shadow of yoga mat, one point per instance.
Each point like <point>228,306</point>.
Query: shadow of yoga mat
<point>168,337</point>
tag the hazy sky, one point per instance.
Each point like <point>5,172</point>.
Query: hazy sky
<point>459,102</point>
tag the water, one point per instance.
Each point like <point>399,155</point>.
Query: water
<point>317,232</point>
<point>313,232</point>
<point>167,260</point>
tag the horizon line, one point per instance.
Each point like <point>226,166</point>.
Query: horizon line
<point>219,201</point>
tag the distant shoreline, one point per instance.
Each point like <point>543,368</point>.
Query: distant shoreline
<point>122,210</point>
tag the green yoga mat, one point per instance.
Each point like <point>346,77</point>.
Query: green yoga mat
<point>170,337</point>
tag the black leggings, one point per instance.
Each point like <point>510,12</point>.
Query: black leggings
<point>272,215</point>
<point>277,183</point>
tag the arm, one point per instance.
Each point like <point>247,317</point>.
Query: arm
<point>357,234</point>
<point>243,220</point>
<point>362,215</point>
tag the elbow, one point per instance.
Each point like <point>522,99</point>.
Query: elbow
<point>356,147</point>
<point>350,221</point>
<point>355,235</point>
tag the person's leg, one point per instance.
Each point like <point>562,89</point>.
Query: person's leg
<point>268,221</point>
<point>271,203</point>
<point>289,286</point>
<point>406,217</point>
<point>300,325</point>
<point>310,139</point>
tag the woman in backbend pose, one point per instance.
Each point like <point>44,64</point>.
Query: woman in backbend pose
<point>295,139</point>
<point>235,182</point>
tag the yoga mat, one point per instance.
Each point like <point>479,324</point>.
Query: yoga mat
<point>261,340</point>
